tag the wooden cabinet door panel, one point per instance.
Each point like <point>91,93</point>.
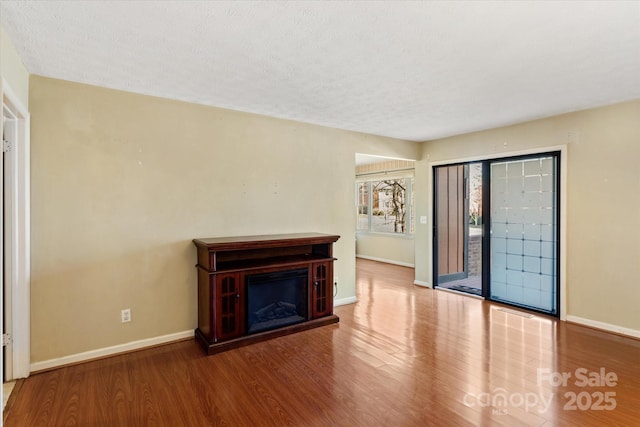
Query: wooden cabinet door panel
<point>229,306</point>
<point>322,290</point>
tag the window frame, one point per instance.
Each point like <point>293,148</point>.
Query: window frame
<point>368,179</point>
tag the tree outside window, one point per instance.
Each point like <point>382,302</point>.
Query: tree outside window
<point>384,206</point>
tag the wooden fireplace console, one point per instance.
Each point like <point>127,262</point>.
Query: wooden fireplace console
<point>225,262</point>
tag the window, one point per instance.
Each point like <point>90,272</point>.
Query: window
<point>385,205</point>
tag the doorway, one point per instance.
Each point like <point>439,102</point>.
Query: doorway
<point>458,213</point>
<point>496,230</point>
<point>6,230</point>
<point>14,228</point>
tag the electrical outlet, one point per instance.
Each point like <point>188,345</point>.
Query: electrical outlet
<point>126,315</point>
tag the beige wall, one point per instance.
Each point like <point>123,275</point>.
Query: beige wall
<point>121,183</point>
<point>603,202</point>
<point>382,247</point>
<point>12,69</point>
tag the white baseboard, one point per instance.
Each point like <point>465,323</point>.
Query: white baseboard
<point>388,261</point>
<point>345,301</point>
<point>108,351</point>
<point>604,326</point>
<point>421,283</point>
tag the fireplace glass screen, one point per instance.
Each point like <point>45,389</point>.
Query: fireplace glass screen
<point>276,299</point>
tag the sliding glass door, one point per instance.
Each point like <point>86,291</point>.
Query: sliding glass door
<point>496,230</point>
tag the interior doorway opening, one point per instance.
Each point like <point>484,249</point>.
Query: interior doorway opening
<point>15,230</point>
<point>9,141</point>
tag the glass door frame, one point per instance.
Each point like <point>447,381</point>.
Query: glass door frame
<point>557,154</point>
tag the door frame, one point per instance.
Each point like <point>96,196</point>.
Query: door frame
<point>562,256</point>
<point>20,236</point>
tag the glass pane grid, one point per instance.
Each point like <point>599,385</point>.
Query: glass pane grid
<point>523,243</point>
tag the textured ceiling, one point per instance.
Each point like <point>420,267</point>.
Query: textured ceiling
<point>410,70</point>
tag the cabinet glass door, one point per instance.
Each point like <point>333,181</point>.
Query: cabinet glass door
<point>229,306</point>
<point>322,301</point>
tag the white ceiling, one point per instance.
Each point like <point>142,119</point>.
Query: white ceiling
<point>410,70</point>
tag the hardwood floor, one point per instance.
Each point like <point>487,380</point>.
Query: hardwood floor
<point>402,356</point>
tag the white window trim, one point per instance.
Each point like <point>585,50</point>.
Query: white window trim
<point>378,176</point>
